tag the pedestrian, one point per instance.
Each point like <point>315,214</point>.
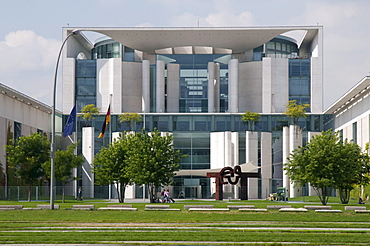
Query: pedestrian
<point>79,194</point>
<point>168,196</point>
<point>163,196</point>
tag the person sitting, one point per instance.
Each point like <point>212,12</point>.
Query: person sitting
<point>360,201</point>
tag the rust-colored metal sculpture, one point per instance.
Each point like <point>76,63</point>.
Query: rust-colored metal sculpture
<point>232,176</point>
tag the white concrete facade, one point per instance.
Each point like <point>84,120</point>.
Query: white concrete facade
<point>88,153</point>
<point>251,156</point>
<point>30,115</point>
<point>266,164</point>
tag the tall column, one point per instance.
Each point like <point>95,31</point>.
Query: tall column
<point>217,148</point>
<point>266,85</point>
<point>235,148</point>
<point>146,87</point>
<point>211,87</point>
<point>217,88</point>
<point>228,150</point>
<point>173,88</point>
<point>295,135</point>
<point>251,153</point>
<point>88,152</point>
<point>286,152</point>
<point>266,164</point>
<point>160,87</point>
<point>233,85</point>
<point>311,191</point>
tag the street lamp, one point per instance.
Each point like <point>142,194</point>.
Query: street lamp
<point>52,147</point>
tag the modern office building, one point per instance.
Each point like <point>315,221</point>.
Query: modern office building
<point>20,115</point>
<point>351,113</point>
<point>195,83</point>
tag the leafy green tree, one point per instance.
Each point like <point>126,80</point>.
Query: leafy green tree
<point>326,163</point>
<point>88,113</point>
<point>153,159</point>
<point>295,111</point>
<point>110,166</point>
<point>251,118</point>
<point>65,161</point>
<point>27,157</point>
<point>130,118</point>
<point>351,169</point>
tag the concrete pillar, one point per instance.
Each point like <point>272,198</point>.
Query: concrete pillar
<point>160,87</point>
<point>295,140</point>
<point>266,85</point>
<point>228,150</point>
<point>216,94</point>
<point>311,191</point>
<point>251,153</point>
<point>68,74</point>
<point>286,152</point>
<point>233,85</point>
<point>88,152</point>
<point>217,147</point>
<point>235,148</point>
<point>266,164</point>
<point>109,82</point>
<point>116,136</point>
<point>211,87</point>
<point>173,88</point>
<point>146,87</point>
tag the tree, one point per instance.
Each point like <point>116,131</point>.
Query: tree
<point>251,118</point>
<point>88,113</point>
<point>153,159</point>
<point>130,118</point>
<point>326,163</point>
<point>27,157</point>
<point>110,166</point>
<point>295,111</point>
<point>65,161</point>
<point>351,170</point>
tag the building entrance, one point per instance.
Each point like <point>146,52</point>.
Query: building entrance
<point>193,192</point>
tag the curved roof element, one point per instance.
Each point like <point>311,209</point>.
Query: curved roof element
<point>237,39</point>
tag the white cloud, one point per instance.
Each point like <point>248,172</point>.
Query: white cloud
<point>345,36</point>
<point>146,24</point>
<point>221,15</point>
<point>27,63</point>
<point>225,18</point>
<point>24,50</point>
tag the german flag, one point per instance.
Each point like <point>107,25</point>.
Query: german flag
<point>106,121</point>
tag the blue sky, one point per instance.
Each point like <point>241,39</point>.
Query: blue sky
<point>31,32</point>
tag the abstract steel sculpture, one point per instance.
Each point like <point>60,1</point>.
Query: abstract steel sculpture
<point>228,175</point>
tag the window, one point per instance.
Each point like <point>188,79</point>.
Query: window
<point>354,132</point>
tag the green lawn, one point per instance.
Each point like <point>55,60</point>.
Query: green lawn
<point>183,227</point>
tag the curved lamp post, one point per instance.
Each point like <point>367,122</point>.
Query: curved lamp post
<point>52,147</point>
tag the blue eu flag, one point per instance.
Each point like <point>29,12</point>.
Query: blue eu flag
<point>70,124</point>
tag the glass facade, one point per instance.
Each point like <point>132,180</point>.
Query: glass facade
<point>194,141</point>
<point>85,83</point>
<point>107,48</point>
<point>279,47</point>
<point>194,80</point>
<point>300,80</point>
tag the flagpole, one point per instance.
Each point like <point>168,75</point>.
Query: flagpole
<point>110,141</point>
<point>75,152</point>
<point>110,125</point>
<point>52,144</point>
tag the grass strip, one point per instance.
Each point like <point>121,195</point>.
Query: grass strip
<point>312,237</point>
